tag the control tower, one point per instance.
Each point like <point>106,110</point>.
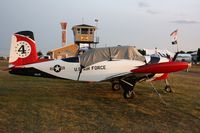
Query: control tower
<point>85,34</point>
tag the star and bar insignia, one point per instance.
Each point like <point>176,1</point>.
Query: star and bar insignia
<point>57,68</point>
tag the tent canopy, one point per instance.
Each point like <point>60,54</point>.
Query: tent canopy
<point>96,55</point>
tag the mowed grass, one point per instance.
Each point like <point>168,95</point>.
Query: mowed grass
<point>32,104</point>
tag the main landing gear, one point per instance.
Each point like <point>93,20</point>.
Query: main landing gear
<point>127,84</point>
<point>116,86</point>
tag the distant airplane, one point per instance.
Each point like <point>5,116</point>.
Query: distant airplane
<point>123,66</point>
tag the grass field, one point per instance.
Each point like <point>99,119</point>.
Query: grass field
<point>30,104</point>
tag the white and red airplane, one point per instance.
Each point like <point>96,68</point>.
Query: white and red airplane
<point>123,66</point>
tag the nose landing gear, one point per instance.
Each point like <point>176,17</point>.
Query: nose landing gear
<point>167,87</point>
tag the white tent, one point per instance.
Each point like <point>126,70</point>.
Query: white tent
<point>159,52</point>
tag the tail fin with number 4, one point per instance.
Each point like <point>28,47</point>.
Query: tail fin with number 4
<point>23,49</point>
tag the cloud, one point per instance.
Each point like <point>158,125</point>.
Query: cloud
<point>186,22</point>
<point>143,4</point>
<point>146,6</point>
<point>152,12</point>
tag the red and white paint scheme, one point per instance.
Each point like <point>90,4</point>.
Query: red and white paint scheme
<point>122,66</point>
<point>23,50</point>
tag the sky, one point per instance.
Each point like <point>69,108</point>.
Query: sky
<point>140,23</point>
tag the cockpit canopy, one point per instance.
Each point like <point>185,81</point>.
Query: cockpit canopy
<point>93,56</point>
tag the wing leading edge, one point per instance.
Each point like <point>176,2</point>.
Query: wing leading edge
<point>165,67</point>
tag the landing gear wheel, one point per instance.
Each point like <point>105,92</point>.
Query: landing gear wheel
<point>168,88</point>
<point>129,94</point>
<point>116,86</point>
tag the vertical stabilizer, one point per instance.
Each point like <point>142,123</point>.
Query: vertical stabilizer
<point>23,49</point>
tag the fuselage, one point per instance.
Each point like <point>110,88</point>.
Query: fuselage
<point>70,68</point>
<point>100,71</point>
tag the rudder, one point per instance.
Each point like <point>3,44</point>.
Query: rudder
<point>23,49</point>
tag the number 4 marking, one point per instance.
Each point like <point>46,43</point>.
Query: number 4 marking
<point>22,50</point>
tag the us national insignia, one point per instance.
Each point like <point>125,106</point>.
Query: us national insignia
<point>57,68</point>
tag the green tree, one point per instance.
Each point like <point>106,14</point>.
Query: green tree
<point>182,52</point>
<point>143,52</point>
<point>39,53</point>
<point>189,52</point>
<point>198,54</point>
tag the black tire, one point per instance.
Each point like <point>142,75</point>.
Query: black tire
<point>116,86</point>
<point>129,94</point>
<point>168,89</point>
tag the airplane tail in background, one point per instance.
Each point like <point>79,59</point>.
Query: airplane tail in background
<point>23,49</point>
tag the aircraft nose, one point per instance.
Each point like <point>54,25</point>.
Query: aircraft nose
<point>181,65</point>
<point>187,65</point>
